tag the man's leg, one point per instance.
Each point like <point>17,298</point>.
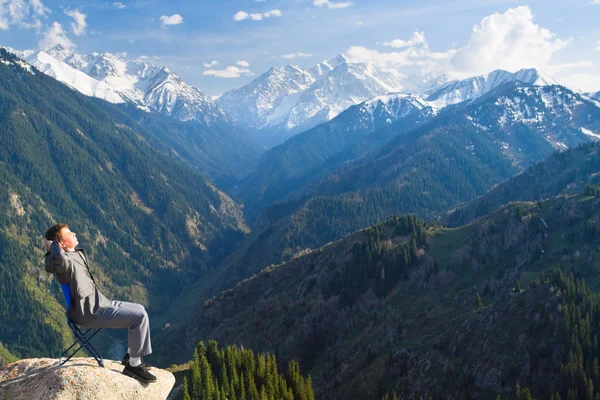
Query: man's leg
<point>121,314</point>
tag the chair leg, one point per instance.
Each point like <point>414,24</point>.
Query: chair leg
<point>85,342</point>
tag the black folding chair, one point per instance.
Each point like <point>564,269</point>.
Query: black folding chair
<point>80,337</point>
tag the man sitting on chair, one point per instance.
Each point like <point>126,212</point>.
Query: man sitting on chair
<point>89,308</point>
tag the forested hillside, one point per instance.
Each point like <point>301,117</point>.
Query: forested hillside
<point>454,158</point>
<point>290,166</point>
<point>150,223</point>
<point>418,309</point>
<point>568,171</point>
<point>223,153</point>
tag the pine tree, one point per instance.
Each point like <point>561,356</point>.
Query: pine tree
<point>478,301</point>
<point>197,388</point>
<point>186,394</point>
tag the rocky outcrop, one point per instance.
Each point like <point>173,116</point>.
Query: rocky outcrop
<point>79,378</point>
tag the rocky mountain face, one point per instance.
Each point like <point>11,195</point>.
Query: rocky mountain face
<point>81,378</point>
<point>288,100</point>
<point>384,310</point>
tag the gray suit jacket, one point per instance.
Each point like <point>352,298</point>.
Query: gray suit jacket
<point>71,267</point>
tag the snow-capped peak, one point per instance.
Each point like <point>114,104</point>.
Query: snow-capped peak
<point>532,76</point>
<point>472,88</point>
<point>109,77</point>
<point>290,99</point>
<point>58,51</point>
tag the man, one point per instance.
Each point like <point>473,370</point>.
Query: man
<point>89,307</point>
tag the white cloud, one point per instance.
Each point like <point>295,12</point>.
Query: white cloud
<point>243,63</point>
<point>119,5</point>
<point>296,55</point>
<point>598,45</point>
<point>360,22</point>
<point>417,38</point>
<point>242,15</point>
<point>174,19</point>
<point>79,25</point>
<point>507,41</point>
<point>56,35</point>
<point>594,1</point>
<point>229,72</point>
<point>332,4</point>
<point>210,64</point>
<point>22,13</point>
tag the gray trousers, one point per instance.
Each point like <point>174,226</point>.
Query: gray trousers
<point>121,314</point>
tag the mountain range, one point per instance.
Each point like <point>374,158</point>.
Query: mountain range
<point>379,311</point>
<point>199,132</point>
<point>108,77</point>
<point>288,100</point>
<point>386,244</point>
<point>510,105</point>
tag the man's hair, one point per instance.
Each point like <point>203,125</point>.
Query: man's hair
<point>54,232</point>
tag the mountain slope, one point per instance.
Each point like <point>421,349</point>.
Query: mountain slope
<point>199,131</point>
<point>564,172</point>
<point>149,221</point>
<point>286,167</point>
<point>221,153</point>
<point>393,308</point>
<point>451,159</point>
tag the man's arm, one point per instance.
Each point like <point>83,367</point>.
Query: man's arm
<point>56,261</point>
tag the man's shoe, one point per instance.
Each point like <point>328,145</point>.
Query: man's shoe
<point>140,373</point>
<point>125,361</point>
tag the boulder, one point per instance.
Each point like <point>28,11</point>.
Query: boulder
<point>79,378</point>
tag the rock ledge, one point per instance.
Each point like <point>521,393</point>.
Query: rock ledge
<point>79,378</point>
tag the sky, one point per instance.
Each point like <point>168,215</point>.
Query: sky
<point>218,45</point>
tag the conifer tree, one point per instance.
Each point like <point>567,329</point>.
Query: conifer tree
<point>197,389</point>
<point>478,301</point>
<point>186,394</point>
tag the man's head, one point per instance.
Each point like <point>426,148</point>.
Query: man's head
<point>64,236</point>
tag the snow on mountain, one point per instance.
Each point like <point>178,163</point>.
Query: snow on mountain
<point>111,78</point>
<point>346,85</point>
<point>380,111</point>
<point>472,88</point>
<point>73,78</point>
<point>287,100</point>
<point>268,97</point>
<point>556,113</point>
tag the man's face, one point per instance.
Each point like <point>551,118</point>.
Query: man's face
<point>69,239</point>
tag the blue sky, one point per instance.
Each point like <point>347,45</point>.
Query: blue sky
<point>218,45</point>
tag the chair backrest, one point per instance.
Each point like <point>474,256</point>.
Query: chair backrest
<point>66,289</point>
